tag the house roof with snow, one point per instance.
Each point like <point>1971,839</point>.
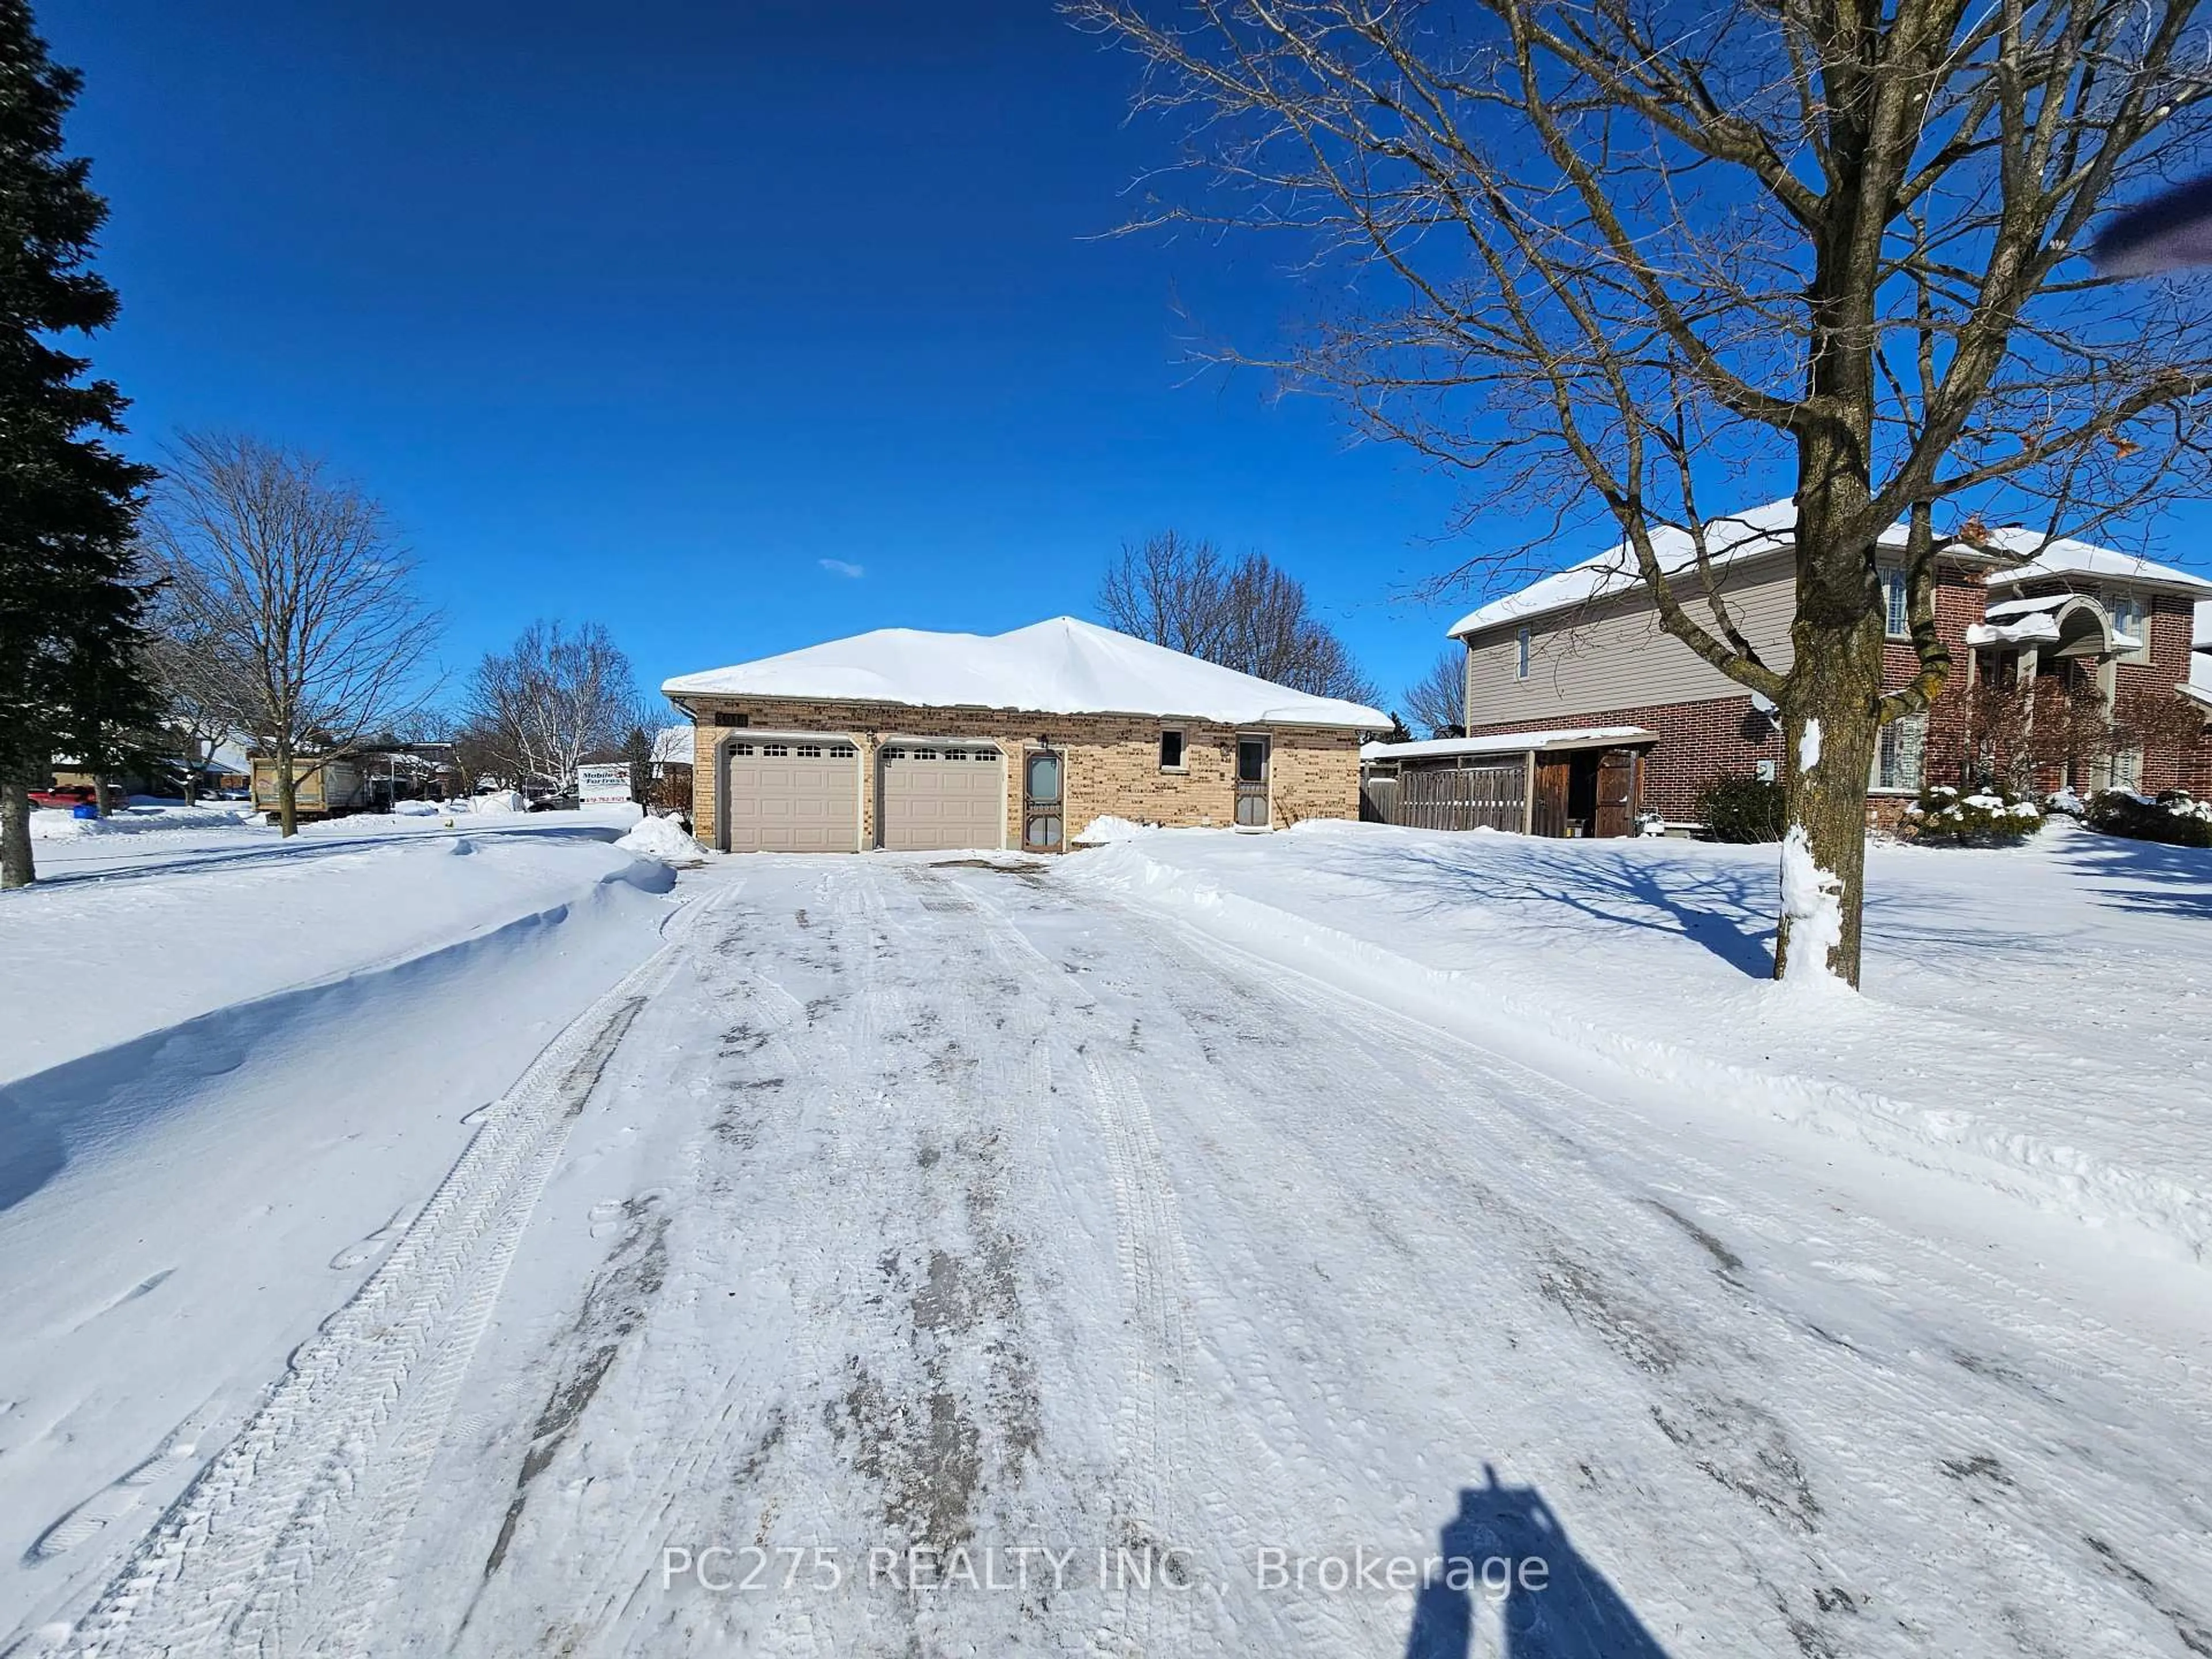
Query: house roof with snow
<point>1062,666</point>
<point>1733,538</point>
<point>1506,743</point>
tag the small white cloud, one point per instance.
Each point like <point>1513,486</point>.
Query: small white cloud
<point>839,568</point>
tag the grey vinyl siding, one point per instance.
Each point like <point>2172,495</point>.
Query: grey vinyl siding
<point>1614,656</point>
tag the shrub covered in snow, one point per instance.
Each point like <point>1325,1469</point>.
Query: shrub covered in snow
<point>1990,817</point>
<point>2176,817</point>
<point>1738,807</point>
<point>2066,803</point>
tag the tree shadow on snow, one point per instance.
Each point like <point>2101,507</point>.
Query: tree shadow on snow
<point>2147,877</point>
<point>1724,907</point>
<point>1509,1568</point>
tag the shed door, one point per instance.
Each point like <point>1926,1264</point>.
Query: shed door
<point>937,797</point>
<point>1616,792</point>
<point>791,795</point>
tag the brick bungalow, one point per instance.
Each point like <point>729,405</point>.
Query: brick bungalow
<point>914,741</point>
<point>1570,678</point>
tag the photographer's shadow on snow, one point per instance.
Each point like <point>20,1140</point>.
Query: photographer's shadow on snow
<point>1508,1569</point>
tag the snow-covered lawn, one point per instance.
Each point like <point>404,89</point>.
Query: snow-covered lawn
<point>2037,1019</point>
<point>1251,1206</point>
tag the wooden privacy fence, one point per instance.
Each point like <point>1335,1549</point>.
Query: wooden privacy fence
<point>1448,797</point>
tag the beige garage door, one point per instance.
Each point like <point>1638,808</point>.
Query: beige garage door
<point>938,796</point>
<point>791,795</point>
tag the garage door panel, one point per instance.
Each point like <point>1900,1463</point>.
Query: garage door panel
<point>942,797</point>
<point>792,797</point>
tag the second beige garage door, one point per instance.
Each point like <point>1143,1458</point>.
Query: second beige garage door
<point>792,795</point>
<point>939,796</point>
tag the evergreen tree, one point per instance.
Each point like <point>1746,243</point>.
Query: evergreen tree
<point>70,613</point>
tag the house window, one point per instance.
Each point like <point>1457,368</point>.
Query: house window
<point>1896,608</point>
<point>1898,754</point>
<point>1521,656</point>
<point>810,751</point>
<point>843,752</point>
<point>2131,617</point>
<point>1170,751</point>
<point>783,749</point>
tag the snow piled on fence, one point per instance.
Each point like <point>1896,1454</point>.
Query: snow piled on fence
<point>2032,1020</point>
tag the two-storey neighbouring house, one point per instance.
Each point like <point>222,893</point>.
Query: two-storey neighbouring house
<point>1571,681</point>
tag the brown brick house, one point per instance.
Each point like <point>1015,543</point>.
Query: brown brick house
<point>914,741</point>
<point>1580,651</point>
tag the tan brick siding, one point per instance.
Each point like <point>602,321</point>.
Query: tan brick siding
<point>1112,767</point>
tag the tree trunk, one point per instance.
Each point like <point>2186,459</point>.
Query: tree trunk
<point>1829,732</point>
<point>16,869</point>
<point>288,791</point>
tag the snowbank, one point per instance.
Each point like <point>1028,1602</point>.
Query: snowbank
<point>660,838</point>
<point>49,825</point>
<point>104,957</point>
<point>1644,964</point>
<point>1106,830</point>
<point>417,809</point>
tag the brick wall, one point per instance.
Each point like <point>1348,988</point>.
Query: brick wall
<point>1112,760</point>
<point>1697,741</point>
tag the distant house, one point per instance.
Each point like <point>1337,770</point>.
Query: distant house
<point>912,741</point>
<point>1572,681</point>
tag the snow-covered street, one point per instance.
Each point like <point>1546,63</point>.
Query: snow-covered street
<point>877,1221</point>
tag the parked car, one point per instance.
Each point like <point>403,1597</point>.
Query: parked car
<point>67,796</point>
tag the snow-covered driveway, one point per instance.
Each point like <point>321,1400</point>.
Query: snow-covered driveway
<point>903,1221</point>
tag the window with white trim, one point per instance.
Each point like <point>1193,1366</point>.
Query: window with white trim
<point>1521,641</point>
<point>810,751</point>
<point>1901,753</point>
<point>775,749</point>
<point>2131,614</point>
<point>1896,603</point>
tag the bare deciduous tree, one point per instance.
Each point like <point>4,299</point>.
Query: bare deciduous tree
<point>1245,614</point>
<point>1612,258</point>
<point>291,601</point>
<point>552,700</point>
<point>1437,702</point>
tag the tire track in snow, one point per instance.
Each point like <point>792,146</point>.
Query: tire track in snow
<point>233,1566</point>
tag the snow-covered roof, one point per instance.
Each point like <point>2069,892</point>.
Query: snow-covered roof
<point>1505,743</point>
<point>1730,539</point>
<point>2004,609</point>
<point>2064,556</point>
<point>2037,625</point>
<point>1062,666</point>
<point>1768,529</point>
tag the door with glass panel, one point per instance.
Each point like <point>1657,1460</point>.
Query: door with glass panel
<point>1252,808</point>
<point>1045,782</point>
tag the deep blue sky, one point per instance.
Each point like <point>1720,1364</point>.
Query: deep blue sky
<point>638,313</point>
